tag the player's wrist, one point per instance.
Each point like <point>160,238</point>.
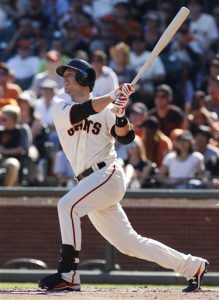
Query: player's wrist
<point>121,120</point>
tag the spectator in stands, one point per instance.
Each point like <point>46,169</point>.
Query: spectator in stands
<point>35,12</point>
<point>99,8</point>
<point>15,141</point>
<point>203,144</point>
<point>156,143</point>
<point>9,91</point>
<point>152,28</point>
<point>57,45</point>
<point>105,38</point>
<point>120,62</point>
<point>155,73</point>
<point>54,11</point>
<point>143,167</point>
<point>174,135</point>
<point>24,65</point>
<point>52,60</point>
<point>202,26</point>
<point>215,14</point>
<point>124,26</point>
<point>44,107</point>
<point>213,92</point>
<point>106,78</point>
<point>86,27</point>
<point>72,40</point>
<point>201,115</point>
<point>3,17</point>
<point>170,116</point>
<point>130,175</point>
<point>121,151</point>
<point>212,170</point>
<point>166,12</point>
<point>182,164</point>
<point>63,170</point>
<point>138,113</point>
<point>188,51</point>
<point>27,102</point>
<point>25,30</point>
<point>211,72</point>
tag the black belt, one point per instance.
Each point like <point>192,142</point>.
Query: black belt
<point>90,171</point>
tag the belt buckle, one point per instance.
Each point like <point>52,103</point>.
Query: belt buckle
<point>78,178</point>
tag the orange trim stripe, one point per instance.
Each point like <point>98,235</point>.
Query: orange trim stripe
<point>94,189</point>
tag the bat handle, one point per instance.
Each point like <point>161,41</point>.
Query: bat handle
<point>135,80</point>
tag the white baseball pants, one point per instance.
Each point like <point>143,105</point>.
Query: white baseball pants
<point>98,196</point>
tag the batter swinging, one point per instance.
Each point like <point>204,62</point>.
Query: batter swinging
<point>87,129</point>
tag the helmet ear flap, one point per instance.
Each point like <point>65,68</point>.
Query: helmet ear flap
<point>82,78</point>
<point>86,78</point>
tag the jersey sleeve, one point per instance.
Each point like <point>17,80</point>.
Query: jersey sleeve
<point>61,114</point>
<point>110,117</point>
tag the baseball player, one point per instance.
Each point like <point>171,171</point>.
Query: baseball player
<point>87,129</point>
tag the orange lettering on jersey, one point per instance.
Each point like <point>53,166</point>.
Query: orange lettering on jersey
<point>87,124</point>
<point>71,131</point>
<point>78,127</point>
<point>86,127</point>
<point>96,128</point>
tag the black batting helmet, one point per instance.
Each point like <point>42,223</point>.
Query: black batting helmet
<point>85,76</point>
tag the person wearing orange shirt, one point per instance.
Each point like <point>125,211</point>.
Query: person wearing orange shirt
<point>157,144</point>
<point>9,91</point>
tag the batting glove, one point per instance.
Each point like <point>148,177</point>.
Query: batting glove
<point>120,106</point>
<point>125,89</point>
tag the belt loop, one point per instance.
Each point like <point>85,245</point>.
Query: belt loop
<point>95,167</point>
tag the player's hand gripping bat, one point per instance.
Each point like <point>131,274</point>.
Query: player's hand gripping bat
<point>162,43</point>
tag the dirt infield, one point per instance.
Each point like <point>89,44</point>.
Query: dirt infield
<point>137,293</point>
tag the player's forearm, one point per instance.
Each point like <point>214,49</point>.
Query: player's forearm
<point>122,131</point>
<point>99,103</point>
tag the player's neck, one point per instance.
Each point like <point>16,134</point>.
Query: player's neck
<point>80,96</point>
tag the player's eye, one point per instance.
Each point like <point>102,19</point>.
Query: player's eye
<point>69,75</point>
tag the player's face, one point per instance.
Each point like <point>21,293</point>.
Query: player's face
<point>70,84</point>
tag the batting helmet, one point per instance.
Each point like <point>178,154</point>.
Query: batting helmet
<point>85,75</point>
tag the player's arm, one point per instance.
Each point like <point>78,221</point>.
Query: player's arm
<point>122,130</point>
<point>81,111</point>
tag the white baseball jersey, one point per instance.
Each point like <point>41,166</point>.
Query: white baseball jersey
<point>87,142</point>
<point>98,195</point>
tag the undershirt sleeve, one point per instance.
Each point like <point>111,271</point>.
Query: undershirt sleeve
<point>79,112</point>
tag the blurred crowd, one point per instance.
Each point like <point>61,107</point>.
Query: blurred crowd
<point>174,110</point>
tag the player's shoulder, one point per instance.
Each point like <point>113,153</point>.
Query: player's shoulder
<point>62,105</point>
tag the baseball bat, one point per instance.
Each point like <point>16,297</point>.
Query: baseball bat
<point>162,42</point>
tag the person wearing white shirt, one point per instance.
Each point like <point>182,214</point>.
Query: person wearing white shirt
<point>154,74</point>
<point>44,107</point>
<point>202,26</point>
<point>106,78</point>
<point>24,65</point>
<point>181,166</point>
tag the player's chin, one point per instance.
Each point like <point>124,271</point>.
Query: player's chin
<point>66,88</point>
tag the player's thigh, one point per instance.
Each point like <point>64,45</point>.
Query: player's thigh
<point>97,191</point>
<point>112,223</point>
